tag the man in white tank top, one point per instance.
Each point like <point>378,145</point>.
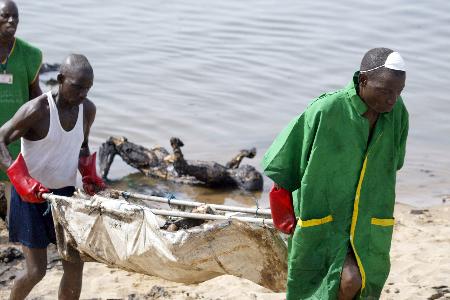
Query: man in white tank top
<point>54,131</point>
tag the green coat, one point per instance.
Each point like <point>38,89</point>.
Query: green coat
<point>343,191</point>
<point>24,63</point>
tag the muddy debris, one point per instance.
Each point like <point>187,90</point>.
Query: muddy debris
<point>442,292</point>
<point>172,228</point>
<point>418,211</point>
<point>174,224</point>
<point>157,292</point>
<point>46,67</point>
<point>10,254</point>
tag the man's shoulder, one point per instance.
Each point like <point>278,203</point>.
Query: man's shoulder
<point>400,105</point>
<point>327,102</point>
<point>400,112</point>
<point>35,109</point>
<point>89,109</point>
<point>27,47</point>
<point>399,108</point>
<point>89,105</point>
<point>39,104</point>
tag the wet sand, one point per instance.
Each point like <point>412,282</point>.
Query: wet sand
<point>420,269</point>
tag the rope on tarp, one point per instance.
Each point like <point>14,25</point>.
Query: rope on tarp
<point>170,197</point>
<point>49,208</point>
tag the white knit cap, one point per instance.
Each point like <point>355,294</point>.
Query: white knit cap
<point>394,61</point>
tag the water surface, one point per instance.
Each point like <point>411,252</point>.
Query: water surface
<point>226,75</point>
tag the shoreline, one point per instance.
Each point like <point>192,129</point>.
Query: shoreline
<point>420,268</point>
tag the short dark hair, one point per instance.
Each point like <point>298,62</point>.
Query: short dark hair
<point>377,57</point>
<point>8,1</point>
<point>76,63</point>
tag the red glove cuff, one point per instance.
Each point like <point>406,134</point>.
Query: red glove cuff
<point>91,181</point>
<point>29,189</point>
<point>282,209</point>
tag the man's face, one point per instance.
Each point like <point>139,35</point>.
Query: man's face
<point>74,86</point>
<point>9,19</point>
<point>381,92</point>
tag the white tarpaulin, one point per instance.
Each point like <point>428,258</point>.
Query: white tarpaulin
<point>129,237</point>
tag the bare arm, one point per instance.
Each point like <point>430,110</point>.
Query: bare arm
<point>24,119</point>
<point>35,89</point>
<point>88,118</point>
<point>92,183</point>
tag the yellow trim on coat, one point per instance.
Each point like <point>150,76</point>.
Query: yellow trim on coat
<point>10,52</point>
<point>355,217</point>
<point>382,222</point>
<point>37,72</point>
<point>314,222</point>
<point>354,220</point>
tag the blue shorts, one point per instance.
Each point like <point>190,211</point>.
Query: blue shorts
<point>30,223</point>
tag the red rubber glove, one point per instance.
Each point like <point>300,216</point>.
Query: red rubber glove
<point>92,183</point>
<point>29,189</point>
<point>282,209</point>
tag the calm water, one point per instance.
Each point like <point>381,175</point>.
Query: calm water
<point>226,75</point>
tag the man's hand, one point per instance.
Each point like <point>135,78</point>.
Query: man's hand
<point>29,189</point>
<point>92,183</point>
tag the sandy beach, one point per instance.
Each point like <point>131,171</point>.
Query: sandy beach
<point>420,269</point>
<point>229,75</point>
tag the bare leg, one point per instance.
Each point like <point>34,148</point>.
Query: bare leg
<point>3,201</point>
<point>236,161</point>
<point>8,200</point>
<point>35,268</point>
<point>70,286</point>
<point>350,278</point>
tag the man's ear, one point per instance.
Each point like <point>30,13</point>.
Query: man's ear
<point>362,80</point>
<point>60,78</point>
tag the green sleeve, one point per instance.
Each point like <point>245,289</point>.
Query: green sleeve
<point>284,158</point>
<point>33,62</point>
<point>403,138</point>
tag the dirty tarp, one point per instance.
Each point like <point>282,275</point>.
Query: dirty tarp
<point>127,236</point>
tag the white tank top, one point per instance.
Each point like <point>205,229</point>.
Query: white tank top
<point>53,160</point>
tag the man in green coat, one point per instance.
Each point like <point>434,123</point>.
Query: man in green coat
<point>339,158</point>
<point>19,76</point>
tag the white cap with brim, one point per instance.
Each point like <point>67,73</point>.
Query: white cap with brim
<point>394,61</point>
